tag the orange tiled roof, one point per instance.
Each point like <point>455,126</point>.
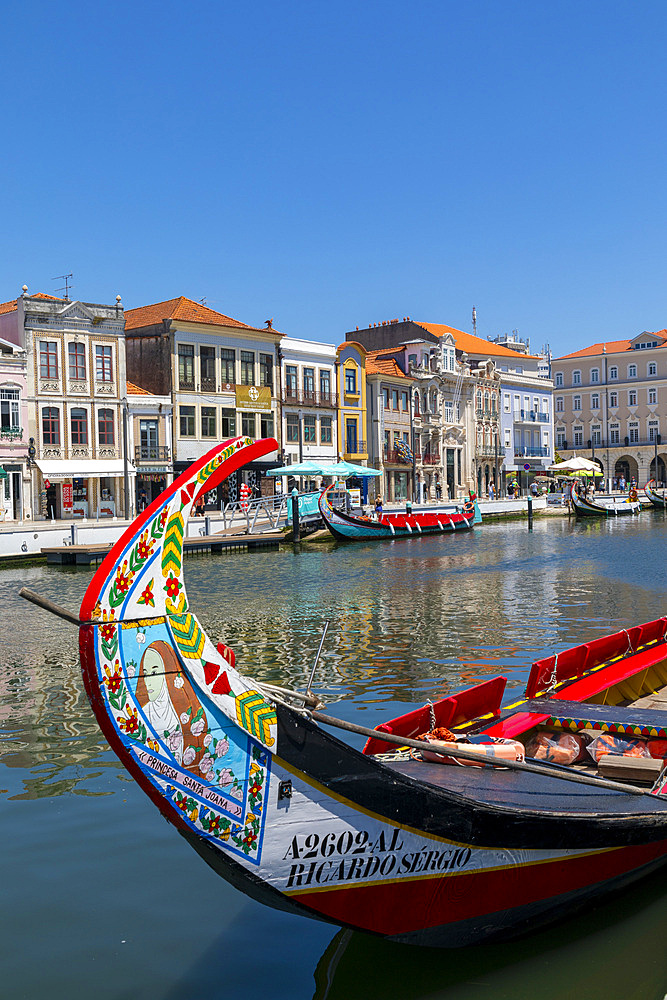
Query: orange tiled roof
<point>136,390</point>
<point>610,346</point>
<point>380,363</point>
<point>184,309</point>
<point>8,307</point>
<point>471,344</point>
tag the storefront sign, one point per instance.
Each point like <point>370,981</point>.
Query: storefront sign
<point>68,495</point>
<point>255,398</point>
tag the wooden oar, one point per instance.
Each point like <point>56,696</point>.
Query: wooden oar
<point>513,765</point>
<point>47,605</point>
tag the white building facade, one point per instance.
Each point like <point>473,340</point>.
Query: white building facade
<point>76,389</point>
<point>309,401</point>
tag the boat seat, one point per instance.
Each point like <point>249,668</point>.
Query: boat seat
<point>518,720</point>
<point>629,721</point>
<point>453,711</point>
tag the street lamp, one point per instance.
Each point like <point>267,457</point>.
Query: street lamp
<point>126,474</point>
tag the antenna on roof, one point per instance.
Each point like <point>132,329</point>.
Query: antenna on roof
<point>202,300</point>
<point>66,287</point>
<point>474,322</point>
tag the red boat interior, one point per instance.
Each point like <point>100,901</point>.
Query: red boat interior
<point>585,707</point>
<point>434,520</point>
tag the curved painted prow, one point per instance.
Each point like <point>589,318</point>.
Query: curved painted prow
<point>140,586</point>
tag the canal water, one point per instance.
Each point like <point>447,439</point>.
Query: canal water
<point>101,897</point>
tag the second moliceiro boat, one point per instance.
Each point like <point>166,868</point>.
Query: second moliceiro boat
<point>583,507</point>
<point>656,496</point>
<point>358,527</point>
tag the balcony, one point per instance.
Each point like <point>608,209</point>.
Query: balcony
<point>431,458</point>
<point>151,453</point>
<point>527,452</point>
<point>11,434</point>
<point>487,451</point>
<point>359,449</point>
<point>208,383</point>
<point>309,397</point>
<point>530,416</point>
<point>486,413</point>
<point>185,382</point>
<point>394,457</point>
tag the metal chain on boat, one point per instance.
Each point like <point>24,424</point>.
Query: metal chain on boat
<point>431,711</point>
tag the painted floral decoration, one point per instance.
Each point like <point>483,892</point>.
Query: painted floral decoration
<point>172,587</point>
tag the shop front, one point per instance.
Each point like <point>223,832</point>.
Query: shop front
<point>85,489</point>
<point>150,483</point>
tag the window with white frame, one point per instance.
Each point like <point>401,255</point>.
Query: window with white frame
<point>633,432</point>
<point>652,368</point>
<point>632,371</point>
<point>449,411</point>
<point>652,396</point>
<point>595,401</point>
<point>614,433</point>
<point>545,405</point>
<point>559,404</point>
<point>560,437</point>
<point>558,380</point>
<point>309,429</point>
<point>632,397</point>
<point>507,402</point>
<point>613,399</point>
<point>508,438</point>
<point>576,378</point>
<point>578,437</point>
<point>595,375</point>
<point>9,409</point>
<point>576,402</point>
<point>292,424</point>
<point>596,434</point>
<point>653,430</point>
<point>613,372</point>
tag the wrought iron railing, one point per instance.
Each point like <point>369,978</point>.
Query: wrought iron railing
<point>151,453</point>
<point>355,449</point>
<point>309,397</point>
<point>11,433</point>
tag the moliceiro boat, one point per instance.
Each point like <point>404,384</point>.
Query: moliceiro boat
<point>583,507</point>
<point>459,821</point>
<point>656,496</point>
<point>358,527</point>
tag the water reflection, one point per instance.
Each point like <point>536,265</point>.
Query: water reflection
<point>410,620</point>
<point>551,961</point>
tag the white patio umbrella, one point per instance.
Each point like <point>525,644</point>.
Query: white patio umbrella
<point>575,464</point>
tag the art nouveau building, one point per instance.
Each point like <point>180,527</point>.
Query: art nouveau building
<point>76,387</point>
<point>14,434</point>
<point>309,400</point>
<point>150,442</point>
<point>390,426</point>
<point>610,402</point>
<point>220,374</point>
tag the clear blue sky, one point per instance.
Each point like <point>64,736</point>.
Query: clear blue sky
<point>331,165</point>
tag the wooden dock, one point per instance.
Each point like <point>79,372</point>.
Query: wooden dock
<point>84,555</point>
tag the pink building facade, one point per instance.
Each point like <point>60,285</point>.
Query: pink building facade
<point>14,439</point>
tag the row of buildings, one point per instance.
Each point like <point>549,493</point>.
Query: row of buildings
<point>101,406</point>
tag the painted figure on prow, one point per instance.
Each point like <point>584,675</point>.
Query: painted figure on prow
<point>171,706</point>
